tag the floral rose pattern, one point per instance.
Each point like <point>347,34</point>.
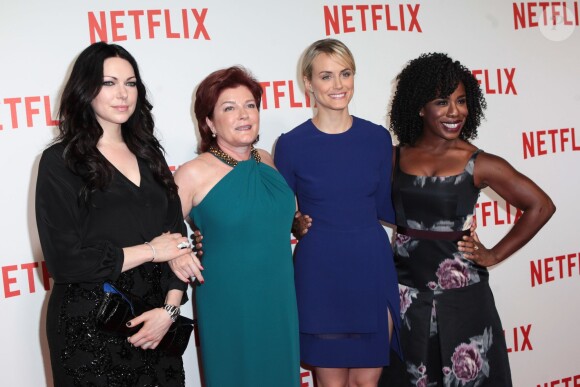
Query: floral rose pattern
<point>419,376</point>
<point>442,285</point>
<point>469,364</point>
<point>403,244</point>
<point>406,295</point>
<point>453,273</point>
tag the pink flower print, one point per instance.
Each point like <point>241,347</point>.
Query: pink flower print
<point>422,382</point>
<point>467,362</point>
<point>422,369</point>
<point>446,371</point>
<point>452,274</point>
<point>432,285</point>
<point>404,299</point>
<point>401,239</point>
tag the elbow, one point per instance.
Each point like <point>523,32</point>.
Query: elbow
<point>548,209</point>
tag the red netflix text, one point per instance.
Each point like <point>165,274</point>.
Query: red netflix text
<point>305,378</point>
<point>115,26</point>
<point>35,110</point>
<point>569,381</point>
<point>17,279</point>
<point>518,339</point>
<point>374,17</point>
<point>498,81</point>
<point>283,93</point>
<point>494,213</point>
<point>548,141</point>
<point>550,269</point>
<point>545,13</point>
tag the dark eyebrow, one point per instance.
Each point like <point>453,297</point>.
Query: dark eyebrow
<point>115,78</point>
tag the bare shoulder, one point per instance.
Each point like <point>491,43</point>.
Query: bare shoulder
<point>194,168</point>
<point>266,157</point>
<point>490,169</point>
<point>485,159</point>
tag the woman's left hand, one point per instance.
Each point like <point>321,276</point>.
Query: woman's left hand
<point>474,250</point>
<point>187,268</point>
<point>156,323</point>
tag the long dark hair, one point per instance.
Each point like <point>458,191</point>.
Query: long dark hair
<point>80,131</point>
<point>428,77</point>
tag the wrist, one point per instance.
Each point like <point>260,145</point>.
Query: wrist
<point>152,250</point>
<point>172,310</point>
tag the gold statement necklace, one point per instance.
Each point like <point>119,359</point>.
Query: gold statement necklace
<point>229,160</point>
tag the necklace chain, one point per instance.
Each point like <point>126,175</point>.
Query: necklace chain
<point>229,160</point>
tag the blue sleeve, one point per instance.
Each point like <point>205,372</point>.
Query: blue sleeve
<point>383,198</point>
<point>283,161</point>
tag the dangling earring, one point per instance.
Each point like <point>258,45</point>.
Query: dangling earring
<point>213,134</point>
<point>420,114</point>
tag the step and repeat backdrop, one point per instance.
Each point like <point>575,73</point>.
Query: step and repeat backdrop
<point>525,54</point>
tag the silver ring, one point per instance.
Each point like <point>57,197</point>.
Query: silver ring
<point>475,248</point>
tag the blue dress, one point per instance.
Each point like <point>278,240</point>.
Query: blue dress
<point>344,272</point>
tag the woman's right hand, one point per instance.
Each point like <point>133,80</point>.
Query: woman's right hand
<point>301,224</point>
<point>170,246</point>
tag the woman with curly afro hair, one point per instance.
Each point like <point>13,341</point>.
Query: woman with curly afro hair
<point>451,332</point>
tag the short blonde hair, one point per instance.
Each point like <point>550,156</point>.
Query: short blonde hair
<point>332,47</point>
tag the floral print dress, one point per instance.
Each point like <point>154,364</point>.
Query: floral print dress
<point>451,332</point>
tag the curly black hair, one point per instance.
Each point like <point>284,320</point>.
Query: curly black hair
<point>80,131</point>
<point>428,77</point>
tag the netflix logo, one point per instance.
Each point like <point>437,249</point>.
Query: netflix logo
<point>518,339</point>
<point>342,19</point>
<point>569,381</point>
<point>549,141</point>
<point>306,379</point>
<point>545,13</point>
<point>115,26</point>
<point>550,269</point>
<point>498,81</point>
<point>494,213</point>
<point>277,94</point>
<point>34,110</point>
<point>23,278</point>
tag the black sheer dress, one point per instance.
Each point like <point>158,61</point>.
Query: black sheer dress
<point>82,246</point>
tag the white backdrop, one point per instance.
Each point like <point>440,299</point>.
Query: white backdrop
<point>526,55</point>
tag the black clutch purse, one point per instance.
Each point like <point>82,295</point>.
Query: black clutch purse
<point>116,308</point>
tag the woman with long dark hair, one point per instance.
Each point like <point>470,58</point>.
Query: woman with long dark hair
<point>107,210</point>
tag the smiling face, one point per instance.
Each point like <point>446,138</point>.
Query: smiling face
<point>445,117</point>
<point>117,98</point>
<point>332,82</point>
<point>236,119</point>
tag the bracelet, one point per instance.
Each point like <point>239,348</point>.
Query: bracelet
<point>152,248</point>
<point>173,311</point>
